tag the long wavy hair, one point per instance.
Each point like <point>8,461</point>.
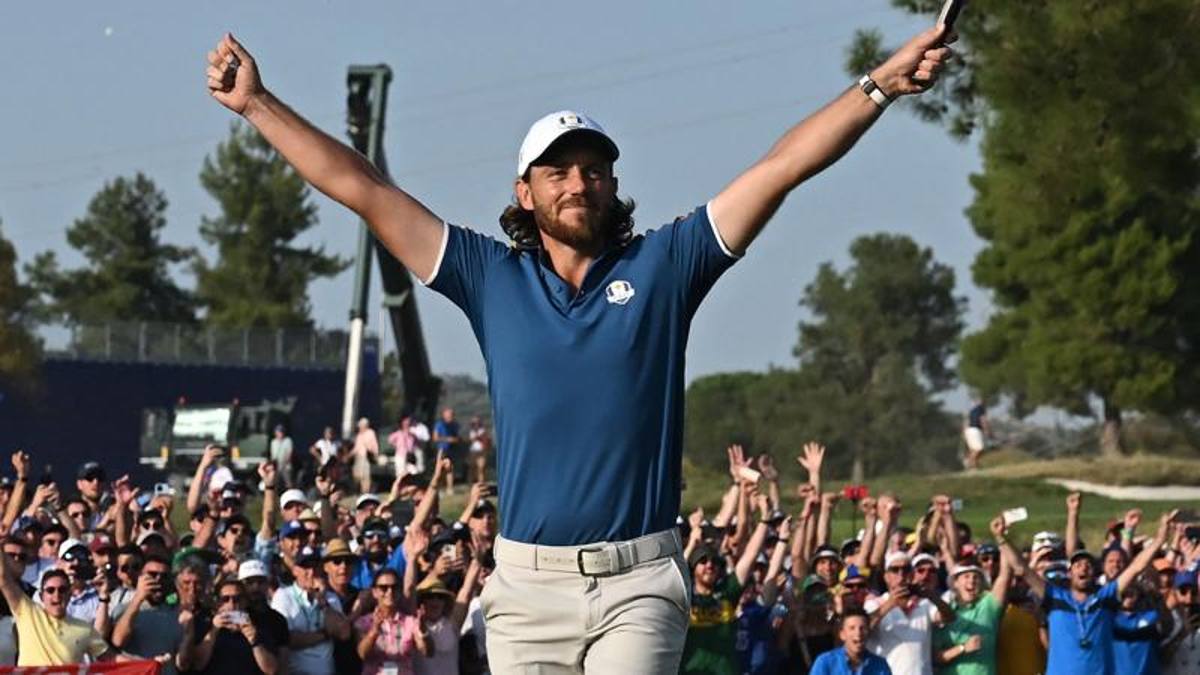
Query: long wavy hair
<point>522,228</point>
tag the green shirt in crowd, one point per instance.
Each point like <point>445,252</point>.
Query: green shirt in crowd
<point>980,618</point>
<point>712,631</point>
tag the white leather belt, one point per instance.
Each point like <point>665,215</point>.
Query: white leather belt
<point>593,560</point>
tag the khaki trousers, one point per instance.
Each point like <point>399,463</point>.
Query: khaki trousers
<point>547,621</point>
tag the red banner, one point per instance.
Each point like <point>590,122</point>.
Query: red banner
<point>107,668</point>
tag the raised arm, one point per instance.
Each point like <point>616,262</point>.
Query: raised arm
<point>195,495</point>
<point>811,460</point>
<point>742,209</point>
<point>867,545</point>
<point>1139,564</point>
<point>21,464</point>
<point>405,227</point>
<point>889,514</point>
<point>1004,578</point>
<point>9,587</point>
<point>1074,503</point>
<point>825,519</point>
<point>428,504</point>
<point>270,503</point>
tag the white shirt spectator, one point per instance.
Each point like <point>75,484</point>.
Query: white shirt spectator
<point>904,639</point>
<point>304,615</point>
<point>328,449</point>
<point>475,626</point>
<point>444,660</point>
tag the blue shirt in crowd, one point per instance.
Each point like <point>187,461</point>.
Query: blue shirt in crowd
<point>835,662</point>
<point>1081,633</point>
<point>363,573</point>
<point>756,641</point>
<point>587,388</point>
<point>1135,643</point>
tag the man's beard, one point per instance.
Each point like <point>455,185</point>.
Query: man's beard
<point>581,238</point>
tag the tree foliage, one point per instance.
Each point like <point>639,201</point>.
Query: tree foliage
<point>871,358</point>
<point>1087,201</point>
<point>19,352</point>
<point>127,271</point>
<point>260,277</point>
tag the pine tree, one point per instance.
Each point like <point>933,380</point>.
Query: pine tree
<point>127,275</point>
<point>19,351</point>
<point>259,278</point>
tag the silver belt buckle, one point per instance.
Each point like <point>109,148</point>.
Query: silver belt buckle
<point>614,563</point>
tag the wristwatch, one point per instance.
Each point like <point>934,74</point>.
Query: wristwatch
<point>872,90</point>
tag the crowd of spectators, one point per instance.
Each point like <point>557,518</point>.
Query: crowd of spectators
<point>329,577</point>
<point>771,593</point>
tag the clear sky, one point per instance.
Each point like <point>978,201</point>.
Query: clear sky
<point>693,92</point>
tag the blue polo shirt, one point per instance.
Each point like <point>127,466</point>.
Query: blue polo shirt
<point>1072,624</point>
<point>362,575</point>
<point>835,662</point>
<point>587,388</point>
<point>1135,643</point>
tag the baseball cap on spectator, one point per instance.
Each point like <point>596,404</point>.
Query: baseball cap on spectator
<point>90,470</point>
<point>432,585</point>
<point>69,545</point>
<point>220,476</point>
<point>549,129</point>
<point>1081,553</point>
<point>826,552</point>
<point>364,499</point>
<point>852,573</point>
<point>482,508</point>
<point>924,558</point>
<point>292,495</point>
<point>26,523</point>
<point>704,553</point>
<point>150,534</point>
<point>292,528</point>
<point>850,547</point>
<point>1162,564</point>
<point>776,517</point>
<point>987,549</point>
<point>205,555</point>
<point>963,569</point>
<point>251,569</point>
<point>337,548</point>
<point>100,543</point>
<point>1184,578</point>
<point>308,557</point>
<point>374,524</point>
<point>810,581</point>
<point>308,515</point>
<point>897,558</point>
<point>6,483</point>
<point>231,495</point>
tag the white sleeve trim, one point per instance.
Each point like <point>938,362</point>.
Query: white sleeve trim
<point>437,264</point>
<point>717,233</point>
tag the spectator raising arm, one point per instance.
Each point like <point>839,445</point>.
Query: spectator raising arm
<point>1142,561</point>
<point>829,500</point>
<point>870,518</point>
<point>1074,503</point>
<point>270,504</point>
<point>811,460</point>
<point>889,513</point>
<point>195,496</point>
<point>1007,563</point>
<point>429,501</point>
<point>21,464</point>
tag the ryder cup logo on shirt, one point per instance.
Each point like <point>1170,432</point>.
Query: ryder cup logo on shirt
<point>619,292</point>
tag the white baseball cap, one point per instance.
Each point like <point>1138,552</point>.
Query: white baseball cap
<point>290,496</point>
<point>554,126</point>
<point>69,544</point>
<point>895,558</point>
<point>250,569</point>
<point>366,498</point>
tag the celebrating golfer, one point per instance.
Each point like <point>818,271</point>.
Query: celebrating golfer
<point>583,324</point>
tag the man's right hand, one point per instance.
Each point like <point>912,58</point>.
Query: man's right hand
<point>233,75</point>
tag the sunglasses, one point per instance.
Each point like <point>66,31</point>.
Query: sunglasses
<point>235,597</point>
<point>312,533</point>
<point>52,542</point>
<point>54,590</point>
<point>372,535</point>
<point>130,569</point>
<point>77,514</point>
<point>236,531</point>
<point>340,562</point>
<point>90,478</point>
<point>386,588</point>
<point>15,555</point>
<point>154,574</point>
<point>899,570</point>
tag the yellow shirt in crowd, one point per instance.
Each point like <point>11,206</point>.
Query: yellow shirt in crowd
<point>43,640</point>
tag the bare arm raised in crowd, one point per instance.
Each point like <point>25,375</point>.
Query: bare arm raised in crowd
<point>870,518</point>
<point>195,496</point>
<point>1074,503</point>
<point>811,460</point>
<point>21,464</point>
<point>770,587</point>
<point>745,563</point>
<point>889,514</point>
<point>270,504</point>
<point>800,551</point>
<point>1007,564</point>
<point>1143,559</point>
<point>403,225</point>
<point>828,501</point>
<point>429,500</point>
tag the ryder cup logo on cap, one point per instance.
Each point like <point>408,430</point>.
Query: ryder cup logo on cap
<point>554,126</point>
<point>619,292</point>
